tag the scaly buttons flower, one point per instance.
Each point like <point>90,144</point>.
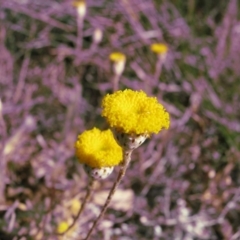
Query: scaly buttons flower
<point>133,112</point>
<point>98,149</point>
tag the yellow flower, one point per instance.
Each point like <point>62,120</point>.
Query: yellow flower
<point>117,57</point>
<point>81,7</point>
<point>75,206</point>
<point>79,3</point>
<point>159,48</point>
<point>133,112</point>
<point>62,227</point>
<point>98,149</point>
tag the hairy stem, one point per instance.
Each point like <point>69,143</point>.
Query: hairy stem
<point>126,160</point>
<point>87,197</point>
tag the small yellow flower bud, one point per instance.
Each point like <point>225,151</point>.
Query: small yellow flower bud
<point>81,7</point>
<point>62,227</point>
<point>118,59</point>
<point>160,49</point>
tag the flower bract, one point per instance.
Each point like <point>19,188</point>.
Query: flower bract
<point>134,112</point>
<point>98,149</point>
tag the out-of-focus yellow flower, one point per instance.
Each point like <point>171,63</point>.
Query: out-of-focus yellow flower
<point>75,206</point>
<point>98,149</point>
<point>159,48</point>
<point>81,7</point>
<point>117,57</point>
<point>119,60</point>
<point>133,112</point>
<point>62,227</point>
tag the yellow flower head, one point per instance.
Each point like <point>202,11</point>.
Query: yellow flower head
<point>159,48</point>
<point>62,227</point>
<point>134,112</point>
<point>98,149</point>
<point>81,7</point>
<point>79,3</point>
<point>117,57</point>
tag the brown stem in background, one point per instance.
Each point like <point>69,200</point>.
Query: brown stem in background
<point>115,82</point>
<point>22,77</point>
<point>3,134</point>
<point>10,144</point>
<point>158,68</point>
<point>80,33</point>
<point>85,201</point>
<point>126,161</point>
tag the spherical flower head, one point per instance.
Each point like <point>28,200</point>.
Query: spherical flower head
<point>98,149</point>
<point>118,60</point>
<point>159,48</point>
<point>133,112</point>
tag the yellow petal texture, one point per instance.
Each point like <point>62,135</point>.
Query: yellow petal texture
<point>134,112</point>
<point>98,149</point>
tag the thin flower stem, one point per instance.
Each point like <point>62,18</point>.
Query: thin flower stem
<point>158,68</point>
<point>87,197</point>
<point>80,33</point>
<point>126,160</point>
<point>115,81</point>
<point>3,164</point>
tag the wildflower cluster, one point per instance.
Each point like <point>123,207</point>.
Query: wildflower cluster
<point>132,116</point>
